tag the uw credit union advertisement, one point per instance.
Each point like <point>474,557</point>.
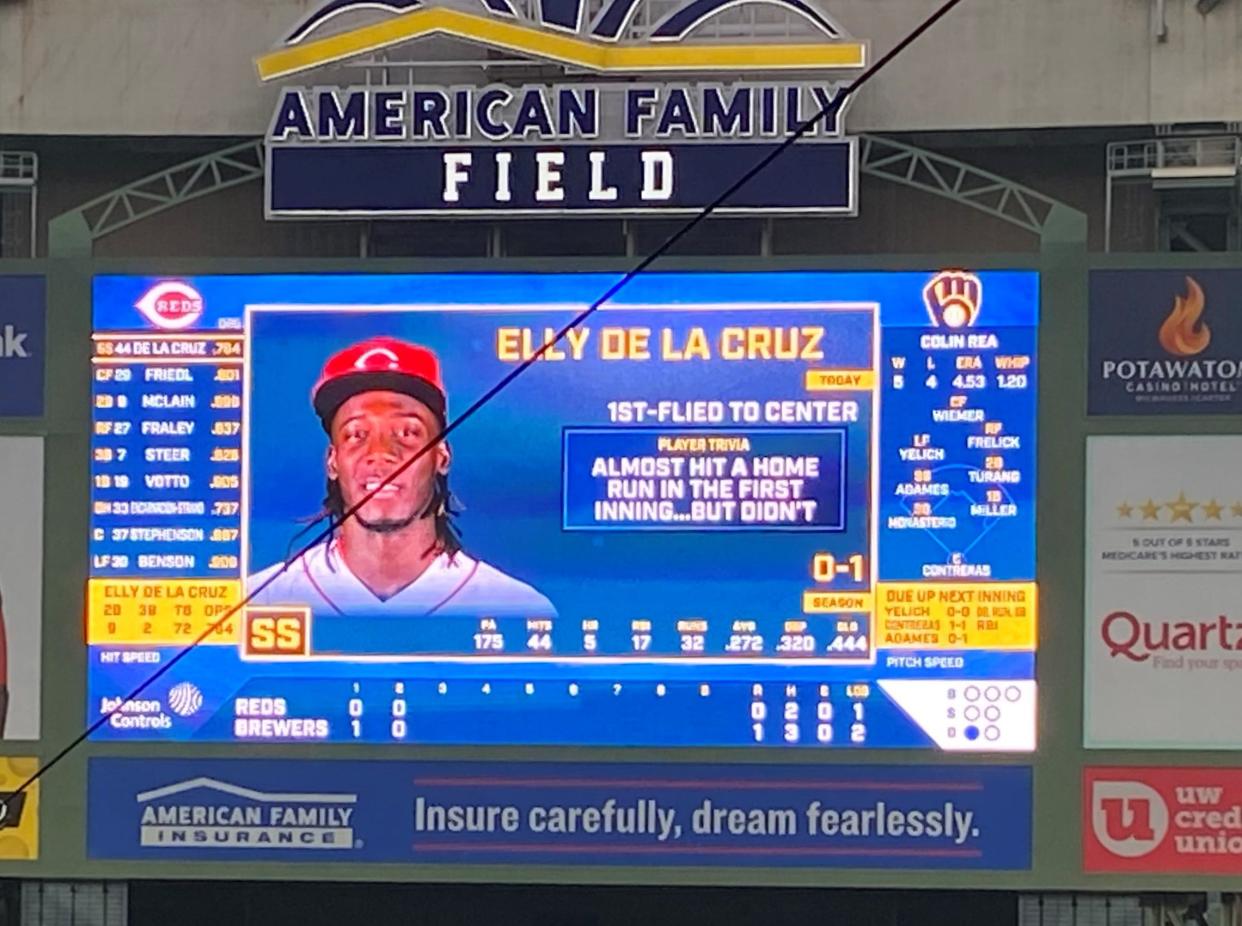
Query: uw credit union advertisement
<point>564,814</point>
<point>1162,820</point>
<point>729,509</point>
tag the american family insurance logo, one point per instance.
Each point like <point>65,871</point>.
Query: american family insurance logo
<point>209,813</point>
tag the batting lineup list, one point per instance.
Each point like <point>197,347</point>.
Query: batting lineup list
<point>166,488</point>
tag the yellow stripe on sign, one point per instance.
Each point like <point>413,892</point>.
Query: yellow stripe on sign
<point>565,49</point>
<point>729,57</point>
<point>840,380</point>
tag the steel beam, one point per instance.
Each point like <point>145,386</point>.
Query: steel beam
<point>74,232</point>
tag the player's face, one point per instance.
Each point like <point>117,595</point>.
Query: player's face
<point>373,434</point>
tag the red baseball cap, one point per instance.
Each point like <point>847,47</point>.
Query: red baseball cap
<point>379,364</point>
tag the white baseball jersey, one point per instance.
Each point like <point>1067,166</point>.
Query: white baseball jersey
<point>456,585</point>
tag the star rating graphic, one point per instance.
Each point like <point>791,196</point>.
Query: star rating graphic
<point>1179,509</point>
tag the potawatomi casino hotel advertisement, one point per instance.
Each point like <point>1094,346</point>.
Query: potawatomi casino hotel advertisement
<point>768,509</point>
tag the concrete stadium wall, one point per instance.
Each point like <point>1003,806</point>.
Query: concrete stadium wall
<point>185,67</point>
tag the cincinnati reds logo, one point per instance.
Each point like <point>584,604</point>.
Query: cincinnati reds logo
<point>171,305</point>
<point>377,358</point>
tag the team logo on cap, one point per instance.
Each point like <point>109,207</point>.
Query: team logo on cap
<point>171,305</point>
<point>378,358</point>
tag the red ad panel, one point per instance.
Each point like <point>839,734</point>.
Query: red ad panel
<point>1162,820</point>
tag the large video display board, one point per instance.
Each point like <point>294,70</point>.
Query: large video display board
<point>729,509</point>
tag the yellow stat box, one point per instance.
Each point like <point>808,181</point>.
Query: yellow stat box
<point>840,380</point>
<point>19,817</point>
<point>162,612</point>
<point>959,615</point>
<point>837,602</point>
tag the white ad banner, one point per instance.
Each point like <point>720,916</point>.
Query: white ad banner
<point>1163,593</point>
<point>21,586</point>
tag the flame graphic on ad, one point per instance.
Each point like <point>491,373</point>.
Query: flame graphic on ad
<point>1182,334</point>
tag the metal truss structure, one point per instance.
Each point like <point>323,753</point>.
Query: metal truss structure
<point>956,181</point>
<point>73,233</point>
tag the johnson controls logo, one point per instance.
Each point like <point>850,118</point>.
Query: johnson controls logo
<point>1129,818</point>
<point>185,699</point>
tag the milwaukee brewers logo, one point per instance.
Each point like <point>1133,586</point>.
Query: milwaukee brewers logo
<point>953,299</point>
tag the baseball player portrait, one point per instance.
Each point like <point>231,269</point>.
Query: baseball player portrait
<point>380,402</point>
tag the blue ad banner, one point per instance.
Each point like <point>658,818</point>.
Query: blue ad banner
<point>615,481</point>
<point>310,180</point>
<point>846,816</point>
<point>22,337</point>
<point>1165,342</point>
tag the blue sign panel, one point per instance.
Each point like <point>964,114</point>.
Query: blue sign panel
<point>395,180</point>
<point>602,463</point>
<point>22,337</point>
<point>543,813</point>
<point>1165,342</point>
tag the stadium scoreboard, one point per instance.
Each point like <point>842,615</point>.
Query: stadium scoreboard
<point>728,509</point>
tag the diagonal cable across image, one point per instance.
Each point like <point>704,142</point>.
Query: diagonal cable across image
<point>336,520</point>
